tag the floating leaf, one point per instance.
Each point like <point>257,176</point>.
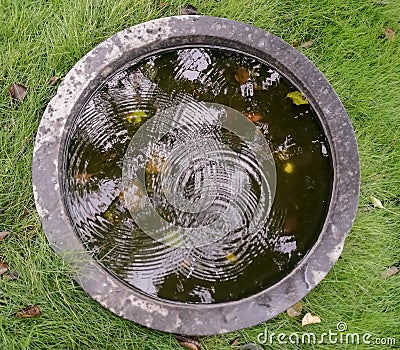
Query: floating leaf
<point>288,168</point>
<point>389,272</point>
<point>3,268</point>
<point>17,92</point>
<point>376,202</point>
<point>30,311</point>
<point>188,343</point>
<point>253,116</point>
<point>154,163</point>
<point>295,310</point>
<point>135,117</point>
<point>3,234</point>
<point>242,75</point>
<point>83,178</point>
<point>298,98</point>
<point>390,34</point>
<point>231,257</point>
<point>259,88</point>
<point>307,44</point>
<point>290,224</point>
<point>310,319</point>
<point>54,80</point>
<point>188,10</point>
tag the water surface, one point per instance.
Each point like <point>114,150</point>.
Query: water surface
<point>188,185</point>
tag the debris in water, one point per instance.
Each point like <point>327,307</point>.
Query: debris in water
<point>298,98</point>
<point>135,117</point>
<point>242,75</point>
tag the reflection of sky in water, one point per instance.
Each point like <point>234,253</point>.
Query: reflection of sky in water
<point>191,63</point>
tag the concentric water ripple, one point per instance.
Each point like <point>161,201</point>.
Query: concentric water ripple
<point>179,194</point>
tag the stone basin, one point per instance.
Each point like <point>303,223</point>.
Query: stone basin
<point>52,194</point>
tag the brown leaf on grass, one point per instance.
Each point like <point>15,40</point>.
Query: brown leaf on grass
<point>310,319</point>
<point>11,276</point>
<point>235,341</point>
<point>188,10</point>
<point>295,43</point>
<point>389,272</point>
<point>376,202</point>
<point>17,92</point>
<point>188,343</point>
<point>3,234</point>
<point>295,310</point>
<point>390,34</point>
<point>29,311</point>
<point>307,44</point>
<point>3,268</point>
<point>54,80</point>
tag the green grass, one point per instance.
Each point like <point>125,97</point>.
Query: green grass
<point>39,39</point>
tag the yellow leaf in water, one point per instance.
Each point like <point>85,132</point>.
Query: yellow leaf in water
<point>108,215</point>
<point>310,319</point>
<point>298,98</point>
<point>288,168</point>
<point>135,117</point>
<point>376,202</point>
<point>295,310</point>
<point>231,257</point>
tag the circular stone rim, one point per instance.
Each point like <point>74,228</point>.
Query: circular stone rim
<point>171,32</point>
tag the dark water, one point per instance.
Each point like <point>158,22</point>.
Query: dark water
<point>240,263</point>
